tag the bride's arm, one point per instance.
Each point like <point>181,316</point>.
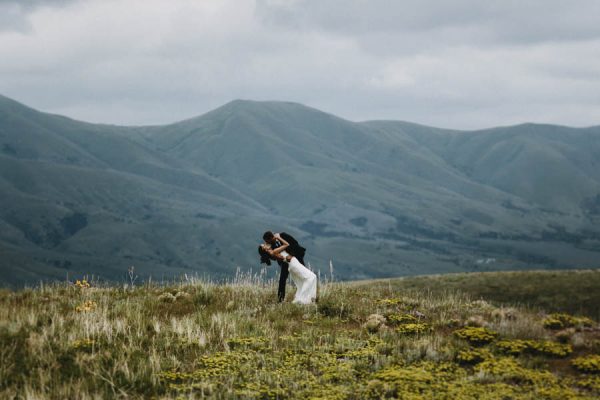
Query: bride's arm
<point>284,245</point>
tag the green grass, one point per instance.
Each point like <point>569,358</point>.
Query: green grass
<point>366,340</point>
<point>575,292</point>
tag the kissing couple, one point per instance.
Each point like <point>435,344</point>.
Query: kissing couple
<point>284,249</point>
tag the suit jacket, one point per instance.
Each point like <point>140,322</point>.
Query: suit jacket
<point>294,249</point>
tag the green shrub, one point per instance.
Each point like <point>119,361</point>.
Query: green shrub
<point>588,364</point>
<point>539,347</point>
<point>254,343</point>
<point>561,321</point>
<point>472,356</point>
<point>509,370</point>
<point>397,319</point>
<point>413,329</point>
<point>551,349</point>
<point>476,335</point>
<point>512,347</point>
<point>399,302</point>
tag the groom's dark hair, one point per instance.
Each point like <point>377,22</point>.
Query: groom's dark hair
<point>265,258</point>
<point>268,235</point>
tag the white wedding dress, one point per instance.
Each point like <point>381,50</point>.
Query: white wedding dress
<point>304,279</point>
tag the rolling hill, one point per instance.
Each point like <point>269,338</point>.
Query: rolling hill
<point>378,198</point>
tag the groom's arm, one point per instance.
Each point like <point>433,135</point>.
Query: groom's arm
<point>295,249</point>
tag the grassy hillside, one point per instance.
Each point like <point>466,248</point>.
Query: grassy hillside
<point>380,199</point>
<point>574,292</point>
<point>442,337</point>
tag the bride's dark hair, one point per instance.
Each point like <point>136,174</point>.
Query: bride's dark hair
<point>265,257</point>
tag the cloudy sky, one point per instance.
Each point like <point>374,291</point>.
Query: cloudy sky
<point>460,64</point>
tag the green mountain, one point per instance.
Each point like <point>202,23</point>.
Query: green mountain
<point>378,198</point>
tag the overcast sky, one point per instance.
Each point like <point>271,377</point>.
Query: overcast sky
<point>457,64</point>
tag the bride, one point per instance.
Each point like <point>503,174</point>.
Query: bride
<point>304,279</point>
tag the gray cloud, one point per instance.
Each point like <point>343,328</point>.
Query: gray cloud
<point>14,13</point>
<point>459,63</point>
<point>506,21</point>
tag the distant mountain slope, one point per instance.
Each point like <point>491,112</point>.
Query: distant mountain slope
<point>379,198</point>
<point>531,161</point>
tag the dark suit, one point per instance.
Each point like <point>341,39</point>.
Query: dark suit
<point>294,249</point>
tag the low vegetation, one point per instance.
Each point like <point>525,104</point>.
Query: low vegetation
<point>573,292</point>
<point>365,340</point>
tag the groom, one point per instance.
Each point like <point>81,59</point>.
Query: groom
<point>294,249</point>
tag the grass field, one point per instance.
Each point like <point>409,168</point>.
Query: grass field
<point>575,292</point>
<point>525,335</point>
